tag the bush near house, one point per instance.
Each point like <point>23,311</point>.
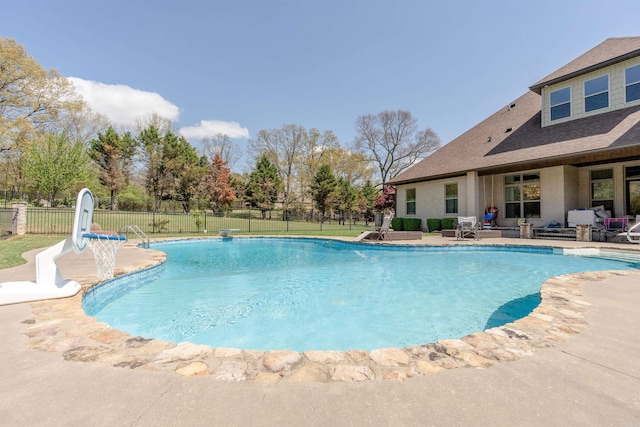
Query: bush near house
<point>434,224</point>
<point>448,223</point>
<point>406,224</point>
<point>412,224</point>
<point>397,224</point>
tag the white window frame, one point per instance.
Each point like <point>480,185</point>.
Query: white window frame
<point>628,84</point>
<point>456,198</point>
<point>591,95</point>
<point>412,202</point>
<point>552,106</point>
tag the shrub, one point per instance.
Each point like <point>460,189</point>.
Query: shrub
<point>199,219</point>
<point>397,224</point>
<point>434,224</point>
<point>412,224</point>
<point>448,223</point>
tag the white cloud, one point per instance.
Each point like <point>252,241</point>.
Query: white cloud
<point>122,104</point>
<point>209,128</point>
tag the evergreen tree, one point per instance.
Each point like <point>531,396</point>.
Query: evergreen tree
<point>367,201</point>
<point>344,199</point>
<point>113,154</point>
<point>182,168</point>
<point>151,146</point>
<point>263,186</point>
<point>322,185</point>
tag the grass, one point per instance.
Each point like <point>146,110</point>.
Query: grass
<point>12,248</point>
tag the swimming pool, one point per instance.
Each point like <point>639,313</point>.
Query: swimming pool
<point>302,294</point>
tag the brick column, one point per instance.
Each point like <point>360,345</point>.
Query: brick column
<point>19,223</point>
<point>526,231</point>
<point>583,232</point>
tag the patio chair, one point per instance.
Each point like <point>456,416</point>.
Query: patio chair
<point>383,231</point>
<point>468,226</point>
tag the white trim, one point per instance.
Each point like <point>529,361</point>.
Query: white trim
<point>627,84</point>
<point>457,198</point>
<point>551,120</point>
<point>585,96</point>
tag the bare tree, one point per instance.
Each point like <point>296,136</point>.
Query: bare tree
<point>315,146</point>
<point>282,147</point>
<point>392,141</point>
<point>83,124</point>
<point>162,124</point>
<point>352,166</point>
<point>222,146</point>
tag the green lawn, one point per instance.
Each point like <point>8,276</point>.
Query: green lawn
<point>12,248</point>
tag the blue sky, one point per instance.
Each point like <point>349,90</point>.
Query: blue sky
<point>241,66</point>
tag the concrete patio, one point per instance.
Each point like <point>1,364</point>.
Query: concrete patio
<point>591,378</point>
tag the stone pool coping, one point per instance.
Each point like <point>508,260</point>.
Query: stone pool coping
<point>61,326</point>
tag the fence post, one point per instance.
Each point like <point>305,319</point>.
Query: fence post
<point>19,223</point>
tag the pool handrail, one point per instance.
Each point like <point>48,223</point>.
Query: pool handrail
<point>631,234</point>
<point>138,232</point>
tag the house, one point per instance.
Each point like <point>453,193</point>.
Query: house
<point>572,141</point>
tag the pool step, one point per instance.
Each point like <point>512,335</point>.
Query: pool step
<point>629,256</point>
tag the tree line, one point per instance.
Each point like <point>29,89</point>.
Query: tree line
<point>51,142</point>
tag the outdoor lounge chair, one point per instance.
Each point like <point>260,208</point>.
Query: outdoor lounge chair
<point>383,231</point>
<point>468,226</point>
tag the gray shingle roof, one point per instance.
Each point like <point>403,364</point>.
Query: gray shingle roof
<point>527,142</point>
<point>514,136</point>
<point>606,53</point>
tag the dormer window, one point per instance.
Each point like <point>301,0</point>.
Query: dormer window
<point>632,83</point>
<point>560,103</point>
<point>596,93</point>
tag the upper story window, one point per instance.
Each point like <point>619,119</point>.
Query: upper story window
<point>411,201</point>
<point>632,83</point>
<point>560,103</point>
<point>451,198</point>
<point>596,93</point>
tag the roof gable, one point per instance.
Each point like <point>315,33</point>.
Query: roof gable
<point>609,52</point>
<point>490,144</point>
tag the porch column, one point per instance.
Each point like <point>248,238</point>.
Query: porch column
<point>473,196</point>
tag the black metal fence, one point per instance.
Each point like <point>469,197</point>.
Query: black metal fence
<point>56,217</point>
<point>6,221</point>
<point>60,221</point>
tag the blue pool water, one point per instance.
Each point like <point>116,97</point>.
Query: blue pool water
<point>302,294</point>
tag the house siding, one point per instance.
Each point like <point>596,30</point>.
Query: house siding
<point>521,135</point>
<point>616,93</point>
<point>430,199</point>
<point>562,188</point>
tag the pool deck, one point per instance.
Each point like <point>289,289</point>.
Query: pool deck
<point>575,362</point>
